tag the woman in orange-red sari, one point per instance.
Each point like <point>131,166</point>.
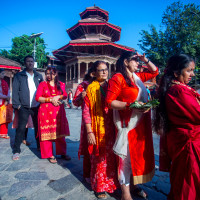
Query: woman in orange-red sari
<point>136,156</point>
<point>52,122</point>
<point>4,98</point>
<point>100,134</point>
<point>177,120</point>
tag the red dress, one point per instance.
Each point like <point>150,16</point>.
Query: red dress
<point>83,146</point>
<point>140,138</point>
<point>103,173</point>
<point>180,148</point>
<point>5,91</point>
<point>52,121</point>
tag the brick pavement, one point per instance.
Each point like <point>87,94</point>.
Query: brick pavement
<point>32,178</point>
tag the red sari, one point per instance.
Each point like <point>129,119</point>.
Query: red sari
<point>140,138</point>
<point>52,121</point>
<point>180,148</point>
<point>83,146</point>
<point>103,173</point>
<point>5,90</point>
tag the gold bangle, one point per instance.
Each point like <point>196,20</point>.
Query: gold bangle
<point>47,100</point>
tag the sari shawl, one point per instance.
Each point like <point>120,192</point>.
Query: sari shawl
<point>96,112</point>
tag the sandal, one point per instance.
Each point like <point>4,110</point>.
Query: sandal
<point>101,195</point>
<point>15,156</point>
<point>5,137</point>
<point>52,160</point>
<point>66,157</point>
<point>140,192</point>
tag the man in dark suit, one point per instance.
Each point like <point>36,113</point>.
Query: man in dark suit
<point>23,99</point>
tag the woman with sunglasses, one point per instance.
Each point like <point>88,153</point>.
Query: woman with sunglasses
<point>100,133</point>
<point>52,122</point>
<point>125,87</point>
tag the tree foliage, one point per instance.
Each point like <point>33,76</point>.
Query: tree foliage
<point>23,46</point>
<point>179,33</point>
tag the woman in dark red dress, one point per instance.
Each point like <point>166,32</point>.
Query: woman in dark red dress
<point>177,120</point>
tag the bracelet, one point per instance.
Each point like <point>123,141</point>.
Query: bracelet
<point>47,100</point>
<point>147,62</point>
<point>89,132</point>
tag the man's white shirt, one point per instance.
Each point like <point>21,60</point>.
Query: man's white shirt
<point>32,90</point>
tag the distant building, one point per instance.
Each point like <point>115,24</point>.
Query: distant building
<point>92,38</point>
<point>11,68</point>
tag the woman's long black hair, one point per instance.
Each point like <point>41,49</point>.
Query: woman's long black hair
<point>88,76</point>
<point>121,68</point>
<point>175,64</point>
<point>56,81</point>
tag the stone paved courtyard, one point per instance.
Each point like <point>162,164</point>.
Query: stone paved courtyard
<point>32,178</point>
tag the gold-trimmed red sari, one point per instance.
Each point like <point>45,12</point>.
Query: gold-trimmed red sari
<point>52,121</point>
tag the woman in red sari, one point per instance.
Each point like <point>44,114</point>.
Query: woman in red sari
<point>4,99</point>
<point>78,100</point>
<point>52,122</point>
<point>177,120</point>
<point>100,133</point>
<point>136,156</point>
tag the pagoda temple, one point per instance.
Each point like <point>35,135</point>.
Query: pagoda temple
<point>92,38</point>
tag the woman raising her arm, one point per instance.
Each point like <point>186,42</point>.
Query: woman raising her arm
<point>125,87</point>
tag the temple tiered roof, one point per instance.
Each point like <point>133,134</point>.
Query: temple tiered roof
<point>92,35</point>
<point>94,12</point>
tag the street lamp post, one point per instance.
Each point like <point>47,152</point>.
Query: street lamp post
<point>34,48</point>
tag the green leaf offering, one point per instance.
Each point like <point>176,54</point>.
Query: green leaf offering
<point>149,104</point>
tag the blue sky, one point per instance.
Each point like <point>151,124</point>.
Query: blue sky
<point>20,17</point>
